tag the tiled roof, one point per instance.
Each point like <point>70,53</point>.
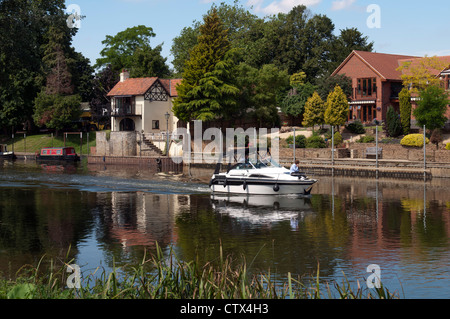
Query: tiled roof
<point>171,85</point>
<point>384,64</point>
<point>445,59</point>
<point>139,86</point>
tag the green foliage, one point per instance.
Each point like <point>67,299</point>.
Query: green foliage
<point>338,139</point>
<point>166,276</point>
<point>292,41</point>
<point>131,49</point>
<point>261,90</point>
<point>148,62</point>
<point>337,108</point>
<point>24,38</point>
<point>447,147</point>
<point>432,107</point>
<point>356,127</point>
<point>300,141</point>
<point>405,110</point>
<point>414,140</point>
<point>326,84</point>
<point>315,141</point>
<point>56,111</point>
<point>294,103</point>
<point>297,79</point>
<point>314,111</point>
<point>207,77</point>
<point>366,139</point>
<point>393,125</point>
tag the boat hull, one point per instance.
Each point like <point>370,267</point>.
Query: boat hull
<point>263,188</point>
<point>67,159</point>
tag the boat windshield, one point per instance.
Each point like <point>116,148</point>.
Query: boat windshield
<point>263,163</point>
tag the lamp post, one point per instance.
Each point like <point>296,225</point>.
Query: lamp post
<point>167,116</point>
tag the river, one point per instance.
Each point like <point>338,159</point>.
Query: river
<point>104,214</point>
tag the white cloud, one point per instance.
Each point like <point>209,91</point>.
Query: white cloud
<point>341,4</point>
<point>283,6</point>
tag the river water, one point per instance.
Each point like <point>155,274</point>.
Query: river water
<point>104,214</point>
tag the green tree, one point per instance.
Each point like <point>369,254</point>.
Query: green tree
<point>418,73</point>
<point>242,29</point>
<point>56,111</point>
<point>269,84</point>
<point>393,125</point>
<point>23,29</point>
<point>314,111</point>
<point>148,62</point>
<point>131,49</point>
<point>294,103</point>
<point>337,110</point>
<point>405,110</point>
<point>431,107</point>
<point>326,84</point>
<point>56,106</point>
<point>199,71</point>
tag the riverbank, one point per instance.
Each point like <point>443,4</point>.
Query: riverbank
<point>383,168</point>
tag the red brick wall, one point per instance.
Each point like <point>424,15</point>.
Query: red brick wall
<point>355,68</point>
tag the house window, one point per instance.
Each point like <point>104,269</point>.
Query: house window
<point>155,125</point>
<point>367,87</point>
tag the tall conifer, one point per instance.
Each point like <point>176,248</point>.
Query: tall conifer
<point>207,91</point>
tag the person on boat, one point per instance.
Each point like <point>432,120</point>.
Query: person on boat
<point>295,167</point>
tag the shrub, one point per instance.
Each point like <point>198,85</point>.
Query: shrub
<point>356,127</point>
<point>393,124</point>
<point>315,142</point>
<point>366,139</point>
<point>300,141</point>
<point>448,146</point>
<point>413,140</point>
<point>436,137</point>
<point>338,139</point>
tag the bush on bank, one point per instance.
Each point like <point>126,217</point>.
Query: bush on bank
<point>414,140</point>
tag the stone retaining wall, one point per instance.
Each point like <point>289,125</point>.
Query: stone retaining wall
<point>390,151</point>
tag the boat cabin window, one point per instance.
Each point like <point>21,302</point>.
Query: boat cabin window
<point>243,166</point>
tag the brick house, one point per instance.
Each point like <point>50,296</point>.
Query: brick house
<point>376,83</point>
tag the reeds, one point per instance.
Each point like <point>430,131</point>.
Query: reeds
<point>168,277</point>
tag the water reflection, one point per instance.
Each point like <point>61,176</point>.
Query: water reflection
<point>267,210</point>
<point>345,225</point>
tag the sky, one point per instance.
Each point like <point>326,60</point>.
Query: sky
<point>411,27</point>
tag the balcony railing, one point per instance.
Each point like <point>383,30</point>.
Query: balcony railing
<point>126,110</point>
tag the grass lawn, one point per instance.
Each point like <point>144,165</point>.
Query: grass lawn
<point>35,143</point>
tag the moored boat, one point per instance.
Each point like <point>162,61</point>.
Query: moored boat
<point>66,154</point>
<point>4,154</point>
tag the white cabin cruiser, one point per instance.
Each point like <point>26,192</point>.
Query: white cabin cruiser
<point>260,178</point>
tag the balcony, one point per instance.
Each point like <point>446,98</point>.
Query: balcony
<point>125,107</point>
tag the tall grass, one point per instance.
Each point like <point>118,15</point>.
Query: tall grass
<point>168,277</point>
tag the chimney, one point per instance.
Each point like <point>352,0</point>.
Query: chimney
<point>124,75</point>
